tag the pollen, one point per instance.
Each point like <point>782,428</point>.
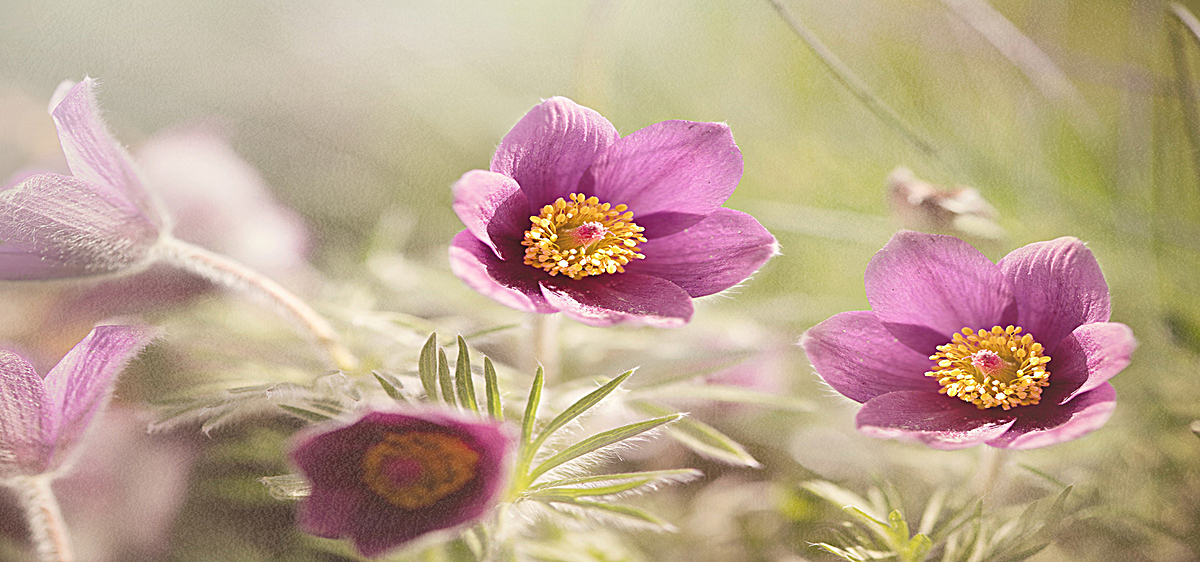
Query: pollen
<point>582,237</point>
<point>989,368</point>
<point>417,469</point>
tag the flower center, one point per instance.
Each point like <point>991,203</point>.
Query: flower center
<point>582,237</point>
<point>989,368</point>
<point>418,468</point>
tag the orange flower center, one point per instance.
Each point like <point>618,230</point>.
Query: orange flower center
<point>582,237</point>
<point>989,368</point>
<point>418,468</point>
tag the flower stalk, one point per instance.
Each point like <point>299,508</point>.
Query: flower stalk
<point>46,526</point>
<point>545,344</point>
<point>229,273</point>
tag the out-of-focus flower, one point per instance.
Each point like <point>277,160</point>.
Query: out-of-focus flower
<point>390,477</point>
<point>96,221</point>
<point>956,349</point>
<point>574,218</point>
<point>42,421</point>
<point>921,205</point>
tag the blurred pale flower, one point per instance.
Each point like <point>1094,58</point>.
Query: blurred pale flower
<point>42,421</point>
<point>574,218</point>
<point>956,349</point>
<point>921,205</point>
<point>98,220</point>
<point>390,477</point>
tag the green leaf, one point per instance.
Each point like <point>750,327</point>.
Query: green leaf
<point>287,486</point>
<point>492,330</point>
<point>427,367</point>
<point>303,414</point>
<point>531,408</point>
<point>702,438</point>
<point>575,410</point>
<point>462,377</point>
<point>599,441</point>
<point>621,511</point>
<point>389,387</point>
<point>495,409</point>
<point>444,378</point>
<point>663,476</point>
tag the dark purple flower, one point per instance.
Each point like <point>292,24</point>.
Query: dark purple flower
<point>42,421</point>
<point>391,477</point>
<point>574,218</point>
<point>98,220</point>
<point>956,349</point>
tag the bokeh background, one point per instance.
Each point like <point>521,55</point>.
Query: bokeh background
<point>1067,115</point>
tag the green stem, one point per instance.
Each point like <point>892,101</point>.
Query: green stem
<point>545,344</point>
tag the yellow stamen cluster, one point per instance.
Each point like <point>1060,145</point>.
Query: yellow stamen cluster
<point>989,368</point>
<point>438,465</point>
<point>582,237</point>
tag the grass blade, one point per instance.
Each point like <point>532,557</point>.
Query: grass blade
<point>444,378</point>
<point>495,409</point>
<point>531,408</point>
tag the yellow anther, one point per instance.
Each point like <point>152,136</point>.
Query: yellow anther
<point>989,368</point>
<point>582,237</point>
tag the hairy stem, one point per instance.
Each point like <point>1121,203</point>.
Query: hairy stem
<point>228,273</point>
<point>46,526</point>
<point>991,462</point>
<point>545,344</point>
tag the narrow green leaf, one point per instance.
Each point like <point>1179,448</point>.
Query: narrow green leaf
<point>839,552</point>
<point>445,378</point>
<point>492,330</point>
<point>676,475</point>
<point>286,486</point>
<point>599,441</point>
<point>592,491</point>
<point>623,511</point>
<point>531,408</point>
<point>702,438</point>
<point>303,414</point>
<point>917,549</point>
<point>388,387</point>
<point>578,408</point>
<point>427,367</point>
<point>462,377</point>
<point>898,528</point>
<point>495,409</point>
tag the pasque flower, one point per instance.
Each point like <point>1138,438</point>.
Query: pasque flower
<point>957,350</point>
<point>43,421</point>
<point>572,217</point>
<point>98,220</point>
<point>390,477</point>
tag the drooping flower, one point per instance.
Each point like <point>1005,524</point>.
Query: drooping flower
<point>43,421</point>
<point>920,205</point>
<point>391,477</point>
<point>96,221</point>
<point>572,217</point>
<point>957,350</point>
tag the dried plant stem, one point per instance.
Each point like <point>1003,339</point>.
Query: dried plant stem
<point>46,526</point>
<point>228,273</point>
<point>545,344</point>
<point>1183,77</point>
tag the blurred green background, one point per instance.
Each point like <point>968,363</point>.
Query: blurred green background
<point>1065,114</point>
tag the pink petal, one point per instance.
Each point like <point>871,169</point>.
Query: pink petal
<point>24,450</point>
<point>1088,357</point>
<point>81,383</point>
<point>512,284</point>
<point>925,287</point>
<point>622,298</point>
<point>1058,287</point>
<point>548,150</point>
<point>668,172</point>
<point>710,256</point>
<point>1049,424</point>
<point>494,209</point>
<point>859,358</point>
<point>59,226</point>
<point>940,421</point>
<point>93,155</point>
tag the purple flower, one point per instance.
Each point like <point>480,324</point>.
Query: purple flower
<point>98,220</point>
<point>957,350</point>
<point>43,421</point>
<point>391,477</point>
<point>574,218</point>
